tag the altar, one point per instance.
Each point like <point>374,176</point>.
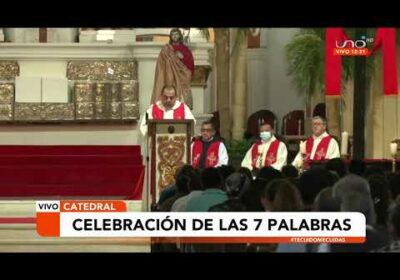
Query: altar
<point>63,93</point>
<point>54,86</point>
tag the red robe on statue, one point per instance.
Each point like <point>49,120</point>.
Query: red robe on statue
<point>174,71</point>
<point>187,56</point>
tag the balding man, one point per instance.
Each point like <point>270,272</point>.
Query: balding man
<point>167,108</point>
<point>320,146</point>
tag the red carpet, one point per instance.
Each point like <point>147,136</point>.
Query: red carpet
<point>29,171</point>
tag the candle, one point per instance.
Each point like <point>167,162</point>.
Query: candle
<point>345,142</point>
<point>303,147</point>
<point>393,148</point>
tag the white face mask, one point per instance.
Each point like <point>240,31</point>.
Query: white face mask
<point>265,135</point>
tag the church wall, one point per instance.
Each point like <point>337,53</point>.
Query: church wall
<point>382,117</point>
<point>269,86</point>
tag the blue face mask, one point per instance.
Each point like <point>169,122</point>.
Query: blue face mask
<point>265,135</point>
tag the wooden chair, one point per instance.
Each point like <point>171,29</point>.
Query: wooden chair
<point>255,119</point>
<point>293,123</point>
<point>320,110</point>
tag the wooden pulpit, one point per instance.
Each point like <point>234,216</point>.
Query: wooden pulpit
<point>169,149</point>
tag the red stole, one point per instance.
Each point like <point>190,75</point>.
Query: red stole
<point>320,152</point>
<point>158,114</point>
<point>212,153</point>
<point>270,158</point>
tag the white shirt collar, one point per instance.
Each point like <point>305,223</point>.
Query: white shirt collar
<point>323,135</point>
<point>177,104</point>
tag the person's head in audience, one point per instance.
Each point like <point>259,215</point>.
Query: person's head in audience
<point>357,167</point>
<point>379,187</point>
<point>371,170</point>
<point>236,184</point>
<point>225,171</point>
<point>311,183</point>
<point>394,222</point>
<point>247,172</point>
<point>281,195</point>
<point>195,182</point>
<point>252,196</point>
<point>333,177</point>
<point>269,173</point>
<point>357,202</point>
<point>337,165</point>
<point>324,202</point>
<point>295,182</point>
<point>184,178</point>
<point>211,178</point>
<point>289,171</point>
<point>351,183</point>
<point>319,125</point>
<point>354,195</point>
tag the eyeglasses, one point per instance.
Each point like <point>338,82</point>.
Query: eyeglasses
<point>206,130</point>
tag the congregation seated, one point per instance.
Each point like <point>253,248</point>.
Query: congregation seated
<point>394,227</point>
<point>185,179</point>
<point>213,193</point>
<point>354,195</point>
<point>375,194</point>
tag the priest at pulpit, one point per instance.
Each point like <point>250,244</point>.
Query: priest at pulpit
<point>320,146</point>
<point>167,108</point>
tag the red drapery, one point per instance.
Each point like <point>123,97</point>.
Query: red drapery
<point>385,39</point>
